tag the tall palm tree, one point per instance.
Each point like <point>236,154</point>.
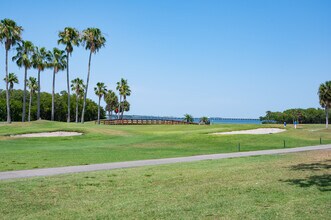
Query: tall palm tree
<point>12,79</point>
<point>124,91</point>
<point>77,86</point>
<point>57,62</point>
<point>324,93</point>
<point>93,41</point>
<point>111,101</point>
<point>24,50</point>
<point>100,91</point>
<point>40,60</point>
<point>10,34</point>
<point>33,86</point>
<point>118,88</point>
<point>69,37</point>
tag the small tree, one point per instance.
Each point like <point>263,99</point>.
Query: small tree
<point>12,79</point>
<point>100,91</point>
<point>125,106</point>
<point>33,86</point>
<point>111,100</point>
<point>124,91</point>
<point>188,118</point>
<point>78,87</point>
<point>204,120</point>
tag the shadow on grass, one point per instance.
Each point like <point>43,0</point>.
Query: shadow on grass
<point>322,182</point>
<point>312,166</point>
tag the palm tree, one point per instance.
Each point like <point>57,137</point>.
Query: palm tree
<point>93,40</point>
<point>33,86</point>
<point>124,91</point>
<point>324,93</point>
<point>125,106</point>
<point>204,120</point>
<point>112,102</point>
<point>10,34</point>
<point>100,91</point>
<point>118,87</point>
<point>69,37</point>
<point>188,118</point>
<point>40,59</point>
<point>23,58</point>
<point>77,86</point>
<point>58,62</point>
<point>12,79</point>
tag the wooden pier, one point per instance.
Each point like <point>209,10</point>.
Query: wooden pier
<point>143,122</point>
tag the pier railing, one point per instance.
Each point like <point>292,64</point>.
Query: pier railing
<point>143,122</point>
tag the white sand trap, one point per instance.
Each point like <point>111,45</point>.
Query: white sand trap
<point>49,134</point>
<point>255,131</point>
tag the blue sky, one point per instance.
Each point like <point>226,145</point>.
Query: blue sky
<point>214,58</point>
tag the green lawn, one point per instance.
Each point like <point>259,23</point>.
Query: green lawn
<point>292,186</point>
<point>103,143</point>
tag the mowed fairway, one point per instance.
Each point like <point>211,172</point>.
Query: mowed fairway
<point>291,186</point>
<point>104,143</point>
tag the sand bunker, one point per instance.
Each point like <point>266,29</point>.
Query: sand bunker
<point>49,134</point>
<point>255,131</point>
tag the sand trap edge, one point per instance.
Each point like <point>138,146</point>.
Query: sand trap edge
<point>48,134</point>
<point>258,131</point>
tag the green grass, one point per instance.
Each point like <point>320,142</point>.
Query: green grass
<point>103,143</point>
<point>292,186</point>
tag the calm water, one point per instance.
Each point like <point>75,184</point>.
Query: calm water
<point>213,120</point>
<point>235,121</point>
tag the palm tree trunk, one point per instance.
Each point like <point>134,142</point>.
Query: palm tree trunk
<point>68,88</point>
<point>99,110</point>
<point>7,91</point>
<point>122,109</point>
<point>30,101</point>
<point>38,97</point>
<point>52,117</point>
<point>327,117</point>
<point>87,81</point>
<point>77,98</point>
<point>119,108</point>
<point>24,94</point>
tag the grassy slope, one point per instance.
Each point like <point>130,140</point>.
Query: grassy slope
<point>292,186</point>
<point>122,143</point>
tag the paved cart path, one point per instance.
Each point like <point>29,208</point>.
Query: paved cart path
<point>138,163</point>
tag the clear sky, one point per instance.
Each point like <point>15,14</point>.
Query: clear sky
<point>214,58</point>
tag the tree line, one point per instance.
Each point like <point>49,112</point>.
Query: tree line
<point>39,58</point>
<point>305,116</point>
<point>60,100</point>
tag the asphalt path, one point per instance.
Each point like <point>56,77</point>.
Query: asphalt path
<point>139,163</point>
